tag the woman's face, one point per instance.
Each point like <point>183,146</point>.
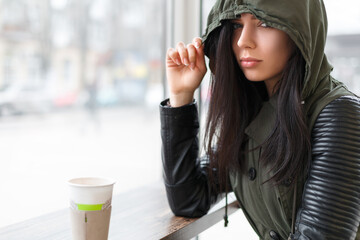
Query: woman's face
<point>261,51</point>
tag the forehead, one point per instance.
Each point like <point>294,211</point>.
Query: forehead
<point>246,16</point>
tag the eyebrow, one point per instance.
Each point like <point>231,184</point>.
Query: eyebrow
<point>239,17</point>
<point>252,17</point>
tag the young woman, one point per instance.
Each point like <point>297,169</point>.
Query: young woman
<point>281,133</point>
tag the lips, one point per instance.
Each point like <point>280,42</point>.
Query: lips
<point>249,62</point>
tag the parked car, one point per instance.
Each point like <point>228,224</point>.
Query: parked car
<point>17,99</point>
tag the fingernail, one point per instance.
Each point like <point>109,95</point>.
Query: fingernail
<point>177,62</point>
<point>197,44</point>
<point>192,66</point>
<point>186,61</point>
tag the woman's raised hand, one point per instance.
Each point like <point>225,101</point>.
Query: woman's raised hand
<point>185,69</point>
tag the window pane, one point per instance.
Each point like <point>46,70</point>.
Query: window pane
<point>80,84</point>
<point>343,47</point>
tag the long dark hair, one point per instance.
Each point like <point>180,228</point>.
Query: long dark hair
<point>235,102</point>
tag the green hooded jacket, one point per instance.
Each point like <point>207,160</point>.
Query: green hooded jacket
<point>305,22</point>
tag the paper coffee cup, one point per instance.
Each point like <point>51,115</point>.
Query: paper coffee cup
<point>90,193</point>
<point>90,207</point>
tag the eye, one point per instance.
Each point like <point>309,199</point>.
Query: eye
<point>237,25</point>
<point>264,25</point>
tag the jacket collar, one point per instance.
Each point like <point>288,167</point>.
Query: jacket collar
<point>263,124</point>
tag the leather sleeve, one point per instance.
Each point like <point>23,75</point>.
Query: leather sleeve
<point>331,199</point>
<point>185,175</point>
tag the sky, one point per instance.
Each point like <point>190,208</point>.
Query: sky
<point>343,16</point>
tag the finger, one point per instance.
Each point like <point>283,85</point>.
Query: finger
<point>197,42</point>
<point>200,56</point>
<point>173,56</point>
<point>183,53</point>
<point>192,55</point>
<point>200,59</point>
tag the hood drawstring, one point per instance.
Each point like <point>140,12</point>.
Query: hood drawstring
<point>226,221</point>
<point>294,209</point>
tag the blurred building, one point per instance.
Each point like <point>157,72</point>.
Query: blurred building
<point>63,48</point>
<point>344,54</point>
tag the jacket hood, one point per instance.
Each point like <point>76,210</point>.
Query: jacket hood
<point>305,22</point>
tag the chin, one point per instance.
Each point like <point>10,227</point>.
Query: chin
<point>254,79</point>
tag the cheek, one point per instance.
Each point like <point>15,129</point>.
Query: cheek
<point>234,44</point>
<point>236,52</point>
<point>278,48</point>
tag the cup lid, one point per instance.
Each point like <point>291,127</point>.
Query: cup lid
<point>91,182</point>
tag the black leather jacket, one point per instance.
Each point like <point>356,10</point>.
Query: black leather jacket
<point>330,207</point>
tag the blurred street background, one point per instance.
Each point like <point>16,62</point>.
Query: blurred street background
<point>80,84</point>
<point>41,152</point>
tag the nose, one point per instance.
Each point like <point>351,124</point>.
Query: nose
<point>246,37</point>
